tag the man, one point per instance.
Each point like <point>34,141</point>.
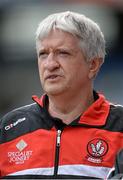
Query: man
<point>71,131</point>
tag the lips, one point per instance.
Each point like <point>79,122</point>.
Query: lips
<point>51,76</point>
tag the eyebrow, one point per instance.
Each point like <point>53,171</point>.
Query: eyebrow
<point>59,48</point>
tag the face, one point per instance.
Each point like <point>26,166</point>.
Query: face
<point>62,66</point>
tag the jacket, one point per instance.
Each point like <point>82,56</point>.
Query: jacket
<point>35,145</point>
<point>117,171</point>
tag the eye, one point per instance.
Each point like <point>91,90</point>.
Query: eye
<point>64,53</point>
<point>43,54</point>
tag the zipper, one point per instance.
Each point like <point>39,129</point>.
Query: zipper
<point>58,139</point>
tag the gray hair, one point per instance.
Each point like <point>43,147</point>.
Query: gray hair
<point>91,38</point>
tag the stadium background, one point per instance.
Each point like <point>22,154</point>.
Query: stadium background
<point>19,78</point>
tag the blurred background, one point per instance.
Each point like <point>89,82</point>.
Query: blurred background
<point>19,19</point>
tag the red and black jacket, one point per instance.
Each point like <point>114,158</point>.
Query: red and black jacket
<point>35,145</point>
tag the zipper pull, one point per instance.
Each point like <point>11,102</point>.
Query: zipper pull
<point>58,137</point>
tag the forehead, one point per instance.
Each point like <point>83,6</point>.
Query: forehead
<point>59,38</point>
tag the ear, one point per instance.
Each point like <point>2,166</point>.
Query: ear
<point>94,66</point>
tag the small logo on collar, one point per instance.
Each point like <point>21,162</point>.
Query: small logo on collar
<point>96,148</point>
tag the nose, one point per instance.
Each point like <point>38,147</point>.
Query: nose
<point>51,62</point>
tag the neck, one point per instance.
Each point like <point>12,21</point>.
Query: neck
<point>69,108</point>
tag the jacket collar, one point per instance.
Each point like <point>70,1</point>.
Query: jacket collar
<point>96,115</point>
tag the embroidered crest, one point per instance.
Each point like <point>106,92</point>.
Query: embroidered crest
<point>97,148</point>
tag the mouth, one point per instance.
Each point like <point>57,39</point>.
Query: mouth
<point>52,77</point>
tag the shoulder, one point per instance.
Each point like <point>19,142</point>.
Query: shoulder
<point>116,109</point>
<point>19,121</point>
<point>115,118</point>
<point>19,112</point>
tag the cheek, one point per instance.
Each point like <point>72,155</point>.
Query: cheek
<point>40,65</point>
<point>41,69</point>
<point>80,73</point>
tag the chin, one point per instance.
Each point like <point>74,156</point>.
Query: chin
<point>54,91</point>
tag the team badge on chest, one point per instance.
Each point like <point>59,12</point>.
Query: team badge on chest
<point>97,148</point>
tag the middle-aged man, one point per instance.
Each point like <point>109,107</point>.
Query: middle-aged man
<point>72,131</point>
